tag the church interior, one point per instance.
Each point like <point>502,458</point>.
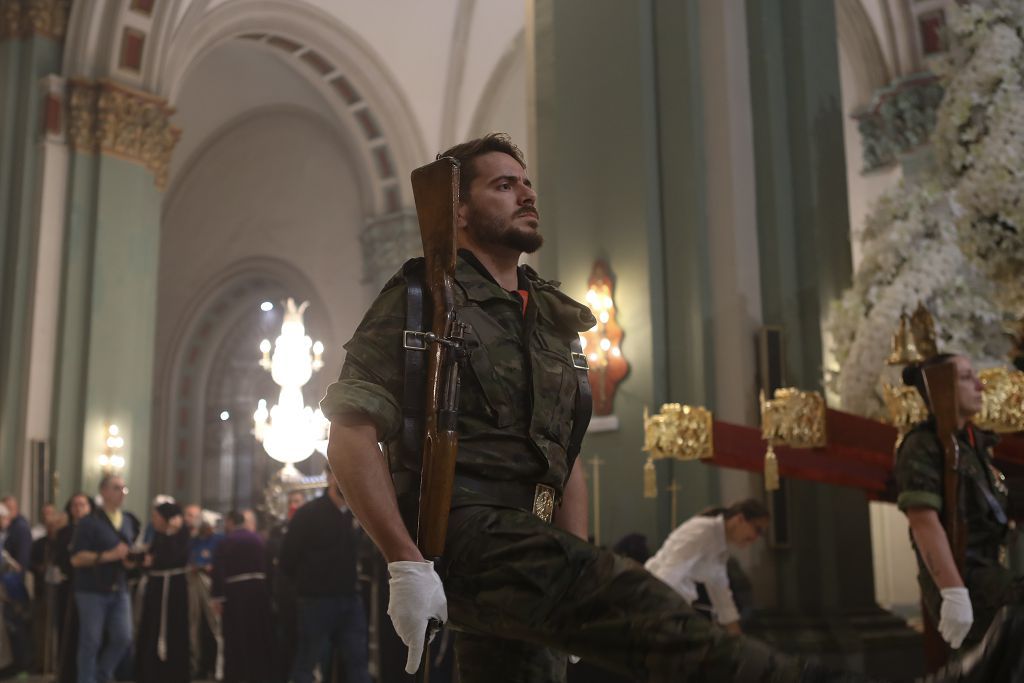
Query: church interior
<point>748,193</point>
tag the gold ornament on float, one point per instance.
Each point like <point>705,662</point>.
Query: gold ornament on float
<point>905,407</point>
<point>1002,394</point>
<point>793,418</point>
<point>678,431</point>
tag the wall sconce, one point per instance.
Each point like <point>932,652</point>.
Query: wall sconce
<point>111,460</point>
<point>601,343</point>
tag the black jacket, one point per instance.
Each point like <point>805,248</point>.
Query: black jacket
<point>320,549</point>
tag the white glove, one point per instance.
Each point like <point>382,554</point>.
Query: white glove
<point>417,596</point>
<point>956,616</point>
<point>573,659</point>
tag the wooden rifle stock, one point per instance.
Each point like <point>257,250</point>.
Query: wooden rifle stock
<point>436,191</point>
<point>940,381</point>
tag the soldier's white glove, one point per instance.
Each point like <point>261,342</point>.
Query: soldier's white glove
<point>956,616</point>
<point>417,596</point>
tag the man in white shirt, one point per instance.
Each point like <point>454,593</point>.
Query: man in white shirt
<point>698,550</point>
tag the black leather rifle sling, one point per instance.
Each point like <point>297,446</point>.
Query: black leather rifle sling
<point>413,393</point>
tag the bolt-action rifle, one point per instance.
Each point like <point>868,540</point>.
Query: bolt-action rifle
<point>436,191</point>
<point>940,382</point>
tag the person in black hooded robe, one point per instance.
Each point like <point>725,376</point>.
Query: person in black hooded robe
<point>162,647</point>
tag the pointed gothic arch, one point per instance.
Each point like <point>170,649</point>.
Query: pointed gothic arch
<point>223,312</point>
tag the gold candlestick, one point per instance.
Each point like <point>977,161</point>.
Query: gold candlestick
<point>674,489</point>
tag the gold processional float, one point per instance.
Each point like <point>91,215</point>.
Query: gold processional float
<point>797,419</point>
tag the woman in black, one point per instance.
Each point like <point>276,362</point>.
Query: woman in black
<point>162,647</point>
<point>78,506</point>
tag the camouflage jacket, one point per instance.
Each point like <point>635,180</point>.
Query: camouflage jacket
<point>518,388</point>
<point>919,476</point>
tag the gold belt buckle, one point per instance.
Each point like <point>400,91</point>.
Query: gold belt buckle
<point>544,502</point>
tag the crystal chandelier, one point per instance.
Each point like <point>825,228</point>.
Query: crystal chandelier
<point>290,431</point>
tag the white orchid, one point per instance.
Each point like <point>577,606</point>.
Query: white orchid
<point>954,238</point>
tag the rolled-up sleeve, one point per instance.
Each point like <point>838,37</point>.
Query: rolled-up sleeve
<point>371,383</point>
<point>918,472</point>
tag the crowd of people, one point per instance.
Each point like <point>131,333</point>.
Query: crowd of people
<point>94,594</point>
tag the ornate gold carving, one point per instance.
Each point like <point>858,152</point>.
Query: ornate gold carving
<point>1002,403</point>
<point>112,119</point>
<point>922,327</point>
<point>793,418</point>
<point>905,406</point>
<point>26,18</point>
<point>1003,400</point>
<point>903,350</point>
<point>679,431</point>
<point>82,97</point>
<point>790,418</point>
<point>914,339</point>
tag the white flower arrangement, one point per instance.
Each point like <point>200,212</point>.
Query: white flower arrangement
<point>954,238</point>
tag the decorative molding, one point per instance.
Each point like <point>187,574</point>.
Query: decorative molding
<point>387,243</point>
<point>26,18</point>
<point>899,120</point>
<point>108,118</point>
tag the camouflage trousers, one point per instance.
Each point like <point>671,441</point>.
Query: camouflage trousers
<point>524,594</point>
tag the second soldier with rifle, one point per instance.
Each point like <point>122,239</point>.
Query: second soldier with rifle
<point>474,343</point>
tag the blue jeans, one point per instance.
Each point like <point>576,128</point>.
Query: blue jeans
<point>321,621</point>
<point>99,614</point>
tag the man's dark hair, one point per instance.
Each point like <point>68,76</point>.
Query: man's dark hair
<point>467,151</point>
<point>751,509</point>
<point>236,517</point>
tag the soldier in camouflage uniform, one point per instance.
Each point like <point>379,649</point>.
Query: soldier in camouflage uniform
<point>919,474</point>
<point>522,591</point>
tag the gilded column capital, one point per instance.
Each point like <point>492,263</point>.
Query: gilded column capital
<point>109,118</point>
<point>26,18</point>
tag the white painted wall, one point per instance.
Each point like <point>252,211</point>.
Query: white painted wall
<point>235,78</point>
<point>414,39</point>
<point>277,184</point>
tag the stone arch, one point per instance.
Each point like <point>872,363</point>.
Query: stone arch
<point>859,42</point>
<point>200,351</point>
<point>345,143</point>
<point>333,59</point>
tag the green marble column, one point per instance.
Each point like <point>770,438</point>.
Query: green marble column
<point>596,166</point>
<point>619,163</point>
<point>31,44</point>
<point>108,314</point>
<point>824,578</point>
